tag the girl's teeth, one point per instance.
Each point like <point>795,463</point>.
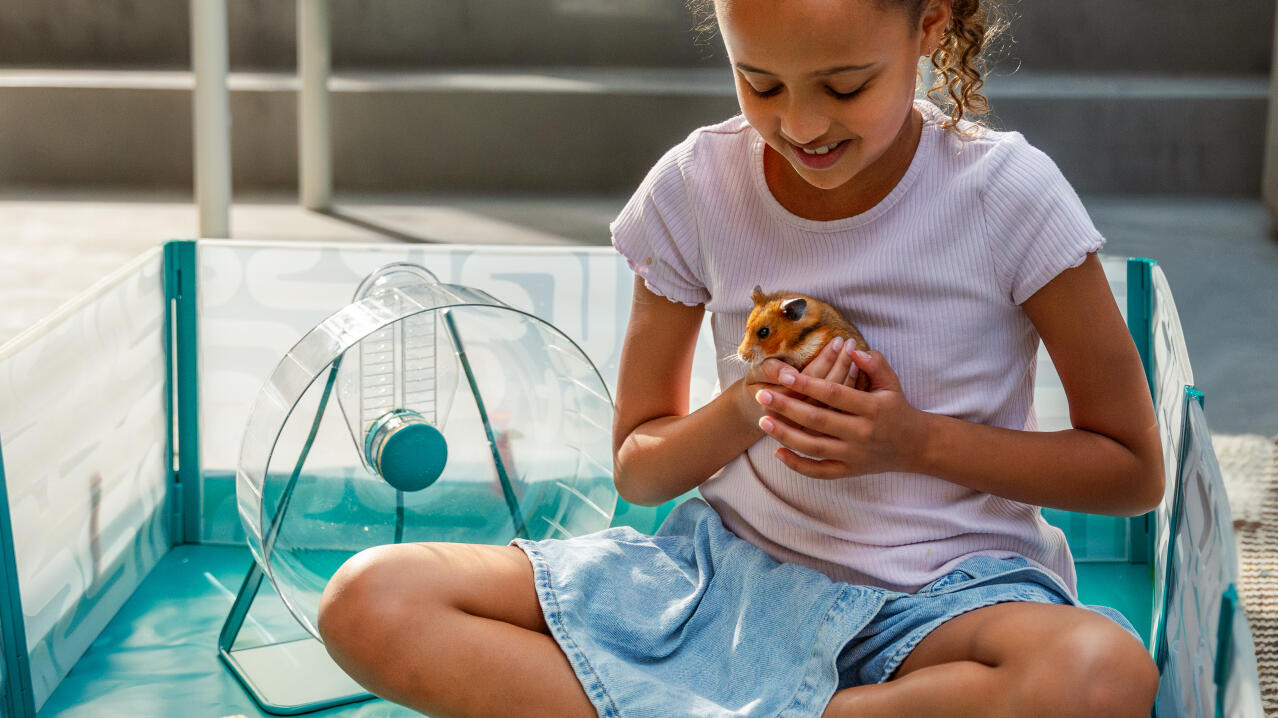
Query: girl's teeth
<point>821,150</point>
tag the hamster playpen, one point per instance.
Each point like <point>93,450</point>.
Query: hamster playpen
<point>122,424</point>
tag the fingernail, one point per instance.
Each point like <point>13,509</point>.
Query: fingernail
<point>763,397</point>
<point>787,377</point>
<point>863,355</point>
<point>837,343</point>
<point>766,424</point>
<point>850,348</point>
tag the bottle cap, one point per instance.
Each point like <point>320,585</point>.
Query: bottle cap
<point>406,450</point>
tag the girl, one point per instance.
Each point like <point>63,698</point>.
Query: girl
<point>858,553</point>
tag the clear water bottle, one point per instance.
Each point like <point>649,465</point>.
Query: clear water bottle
<point>395,390</point>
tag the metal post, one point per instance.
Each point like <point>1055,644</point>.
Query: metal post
<point>212,117</point>
<point>314,129</point>
<point>1269,183</point>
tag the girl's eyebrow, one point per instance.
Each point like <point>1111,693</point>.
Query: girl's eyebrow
<point>828,71</point>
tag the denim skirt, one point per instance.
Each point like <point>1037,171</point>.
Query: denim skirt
<point>695,621</point>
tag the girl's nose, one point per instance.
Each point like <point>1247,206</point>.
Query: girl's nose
<point>802,123</point>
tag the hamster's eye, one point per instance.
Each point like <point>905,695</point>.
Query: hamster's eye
<point>763,333</point>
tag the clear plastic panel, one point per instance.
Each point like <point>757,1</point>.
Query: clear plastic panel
<point>1205,567</point>
<point>1172,374</point>
<point>84,419</point>
<point>528,431</point>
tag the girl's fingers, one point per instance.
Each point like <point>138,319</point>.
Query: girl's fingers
<point>838,372</point>
<point>854,371</point>
<point>812,444</point>
<point>800,412</point>
<point>833,394</point>
<point>825,359</point>
<point>766,372</point>
<point>814,468</point>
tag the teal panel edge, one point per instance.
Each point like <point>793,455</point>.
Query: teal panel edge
<point>1159,637</point>
<point>18,694</point>
<point>181,343</point>
<point>1224,645</point>
<point>1140,312</point>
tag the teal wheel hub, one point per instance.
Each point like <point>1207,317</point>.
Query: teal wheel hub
<point>406,450</point>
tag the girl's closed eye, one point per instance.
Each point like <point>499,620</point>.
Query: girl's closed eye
<point>846,95</point>
<point>770,92</point>
<point>773,91</point>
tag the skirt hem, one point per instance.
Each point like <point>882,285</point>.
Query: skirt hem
<point>590,680</point>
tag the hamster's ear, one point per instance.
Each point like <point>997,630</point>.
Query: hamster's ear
<point>757,295</point>
<point>793,308</point>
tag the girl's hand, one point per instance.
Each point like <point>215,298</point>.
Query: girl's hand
<point>833,364</point>
<point>849,432</point>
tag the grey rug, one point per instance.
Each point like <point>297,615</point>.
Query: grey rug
<point>1249,466</point>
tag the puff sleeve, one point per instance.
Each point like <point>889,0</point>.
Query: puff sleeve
<point>658,235</point>
<point>1037,225</point>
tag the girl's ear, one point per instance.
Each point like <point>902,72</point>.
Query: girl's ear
<point>933,22</point>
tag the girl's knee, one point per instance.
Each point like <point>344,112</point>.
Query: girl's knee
<point>340,602</point>
<point>1095,668</point>
<point>1121,676</point>
<point>363,597</point>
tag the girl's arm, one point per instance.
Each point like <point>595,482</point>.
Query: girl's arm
<point>660,451</point>
<point>1109,463</point>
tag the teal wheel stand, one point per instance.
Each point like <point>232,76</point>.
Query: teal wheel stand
<point>298,676</point>
<point>285,678</point>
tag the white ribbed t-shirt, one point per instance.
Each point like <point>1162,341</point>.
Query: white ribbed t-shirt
<point>933,276</point>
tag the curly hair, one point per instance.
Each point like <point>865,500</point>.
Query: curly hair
<point>959,60</point>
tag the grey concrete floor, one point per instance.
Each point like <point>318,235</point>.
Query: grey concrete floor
<point>1219,255</point>
<point>1221,260</point>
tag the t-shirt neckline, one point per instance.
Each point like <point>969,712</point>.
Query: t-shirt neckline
<point>931,114</point>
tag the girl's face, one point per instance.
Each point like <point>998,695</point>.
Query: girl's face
<point>829,84</point>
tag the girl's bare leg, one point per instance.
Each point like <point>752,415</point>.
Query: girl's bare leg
<point>448,630</point>
<point>1015,660</point>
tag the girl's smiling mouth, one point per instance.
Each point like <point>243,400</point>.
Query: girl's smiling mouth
<point>819,157</point>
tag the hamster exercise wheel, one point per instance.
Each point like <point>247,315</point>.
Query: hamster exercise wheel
<point>458,418</point>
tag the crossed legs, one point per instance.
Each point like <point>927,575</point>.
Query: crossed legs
<point>456,630</point>
<point>1015,659</point>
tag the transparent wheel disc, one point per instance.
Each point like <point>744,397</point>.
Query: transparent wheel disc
<point>523,413</point>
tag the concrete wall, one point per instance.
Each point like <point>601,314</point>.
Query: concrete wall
<point>1130,96</point>
<point>367,34</point>
<point>1131,36</point>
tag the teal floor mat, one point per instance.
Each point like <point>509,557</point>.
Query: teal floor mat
<point>1127,587</point>
<point>158,656</point>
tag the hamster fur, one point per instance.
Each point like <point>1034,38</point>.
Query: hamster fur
<point>793,328</point>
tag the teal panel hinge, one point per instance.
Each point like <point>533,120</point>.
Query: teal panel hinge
<point>17,697</point>
<point>182,343</point>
